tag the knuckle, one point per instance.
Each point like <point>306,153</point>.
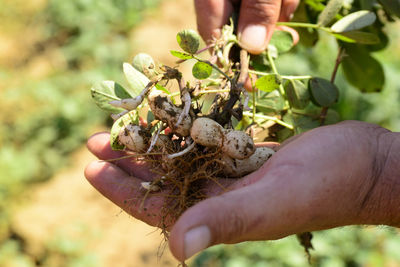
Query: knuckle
<point>232,228</point>
<point>265,11</point>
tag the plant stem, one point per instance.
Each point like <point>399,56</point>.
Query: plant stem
<point>275,119</point>
<point>303,25</point>
<point>339,59</point>
<point>213,91</point>
<point>287,77</point>
<point>275,70</point>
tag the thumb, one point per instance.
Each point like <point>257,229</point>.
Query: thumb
<point>257,21</point>
<point>248,213</point>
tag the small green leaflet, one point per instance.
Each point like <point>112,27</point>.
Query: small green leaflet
<point>201,70</point>
<point>358,37</point>
<point>188,40</point>
<point>270,102</point>
<point>137,81</point>
<point>323,92</point>
<point>328,14</point>
<point>106,91</point>
<point>297,94</point>
<point>282,41</point>
<point>268,83</point>
<point>130,117</point>
<point>181,55</point>
<point>354,21</point>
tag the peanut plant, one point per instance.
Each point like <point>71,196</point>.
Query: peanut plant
<point>208,129</point>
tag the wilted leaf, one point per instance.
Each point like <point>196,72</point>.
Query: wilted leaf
<point>297,94</point>
<point>268,83</point>
<point>323,93</point>
<point>329,12</point>
<point>358,37</point>
<point>130,117</point>
<point>180,55</point>
<point>201,70</point>
<point>188,40</point>
<point>362,70</point>
<point>107,91</point>
<point>137,81</point>
<point>354,21</point>
<point>282,40</point>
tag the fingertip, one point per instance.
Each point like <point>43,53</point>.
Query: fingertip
<point>254,38</point>
<point>98,142</point>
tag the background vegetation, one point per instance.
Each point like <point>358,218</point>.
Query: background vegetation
<point>54,50</point>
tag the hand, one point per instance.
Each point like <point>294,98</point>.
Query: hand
<point>331,176</point>
<point>257,20</point>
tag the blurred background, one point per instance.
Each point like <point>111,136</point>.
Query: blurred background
<point>50,53</point>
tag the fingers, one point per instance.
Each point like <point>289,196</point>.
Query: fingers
<point>99,145</point>
<point>287,9</point>
<point>257,21</point>
<point>124,190</point>
<point>211,16</point>
<point>248,213</point>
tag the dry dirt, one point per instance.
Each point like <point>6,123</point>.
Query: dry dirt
<point>68,207</point>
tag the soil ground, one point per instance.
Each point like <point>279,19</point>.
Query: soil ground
<point>68,207</point>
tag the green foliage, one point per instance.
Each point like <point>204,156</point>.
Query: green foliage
<point>323,92</point>
<point>350,246</point>
<point>181,55</point>
<point>362,70</point>
<point>354,21</point>
<point>269,82</point>
<point>137,81</point>
<point>44,119</point>
<point>297,94</point>
<point>188,40</point>
<point>330,11</point>
<point>282,41</point>
<point>201,70</point>
<point>107,91</point>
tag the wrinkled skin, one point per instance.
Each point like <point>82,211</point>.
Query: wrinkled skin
<point>331,176</point>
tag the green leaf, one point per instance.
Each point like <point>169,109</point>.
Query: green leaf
<point>268,83</point>
<point>393,6</point>
<point>130,117</point>
<point>259,62</point>
<point>297,94</point>
<point>301,123</point>
<point>323,93</point>
<point>106,91</point>
<point>328,14</point>
<point>354,21</point>
<point>362,70</point>
<point>181,55</point>
<point>282,40</point>
<point>201,70</point>
<point>145,64</point>
<point>137,81</point>
<point>358,37</point>
<point>188,40</point>
<point>270,103</point>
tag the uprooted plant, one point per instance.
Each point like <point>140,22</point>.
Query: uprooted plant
<point>207,129</point>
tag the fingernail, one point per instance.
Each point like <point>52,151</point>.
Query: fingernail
<point>253,37</point>
<point>196,240</point>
